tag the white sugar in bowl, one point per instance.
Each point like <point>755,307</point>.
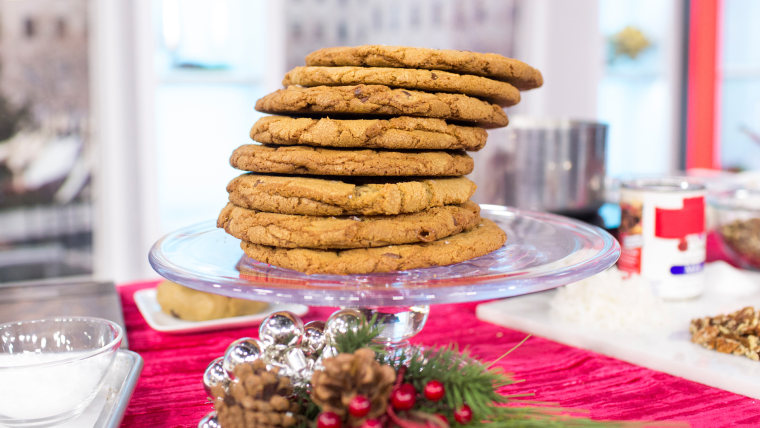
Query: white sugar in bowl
<point>51,369</point>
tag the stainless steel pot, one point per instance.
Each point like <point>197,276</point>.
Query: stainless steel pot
<point>543,165</point>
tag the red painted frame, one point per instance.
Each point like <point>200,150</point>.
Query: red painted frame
<point>703,86</point>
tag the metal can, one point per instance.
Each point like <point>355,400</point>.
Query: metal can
<point>662,234</point>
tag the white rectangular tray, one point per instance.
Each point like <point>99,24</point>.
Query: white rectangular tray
<point>667,350</point>
<point>157,320</point>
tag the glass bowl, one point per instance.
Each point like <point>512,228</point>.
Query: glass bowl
<point>736,220</point>
<point>51,369</point>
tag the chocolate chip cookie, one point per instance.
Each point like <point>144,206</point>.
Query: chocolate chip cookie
<point>494,91</point>
<point>481,240</point>
<point>518,73</point>
<point>346,196</point>
<point>192,305</point>
<point>395,133</point>
<point>300,231</point>
<point>379,100</point>
<point>318,161</point>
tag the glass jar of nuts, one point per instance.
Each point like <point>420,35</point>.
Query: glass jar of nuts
<point>736,218</point>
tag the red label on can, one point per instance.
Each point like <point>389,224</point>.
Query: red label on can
<point>676,224</point>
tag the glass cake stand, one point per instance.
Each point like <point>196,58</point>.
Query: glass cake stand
<point>542,251</point>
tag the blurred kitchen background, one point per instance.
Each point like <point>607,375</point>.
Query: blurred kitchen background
<point>117,118</point>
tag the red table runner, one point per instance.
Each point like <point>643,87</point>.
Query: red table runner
<point>170,393</point>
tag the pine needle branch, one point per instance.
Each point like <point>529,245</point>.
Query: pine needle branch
<point>361,337</point>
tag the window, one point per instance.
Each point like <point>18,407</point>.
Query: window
<point>739,111</point>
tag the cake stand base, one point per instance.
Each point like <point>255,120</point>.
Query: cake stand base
<point>397,324</point>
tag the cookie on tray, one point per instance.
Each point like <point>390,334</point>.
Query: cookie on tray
<point>495,66</point>
<point>330,196</point>
<point>403,132</point>
<point>379,100</point>
<point>192,305</point>
<point>481,240</point>
<point>320,161</point>
<point>299,231</point>
<point>495,91</point>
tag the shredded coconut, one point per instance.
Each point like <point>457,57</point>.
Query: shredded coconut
<point>608,301</point>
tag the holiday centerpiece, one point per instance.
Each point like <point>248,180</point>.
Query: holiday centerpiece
<point>333,375</point>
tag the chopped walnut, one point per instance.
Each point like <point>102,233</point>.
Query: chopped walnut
<point>737,333</point>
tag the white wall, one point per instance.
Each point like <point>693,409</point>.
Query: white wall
<point>561,38</point>
<point>122,125</point>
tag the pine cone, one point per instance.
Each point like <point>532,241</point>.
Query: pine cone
<point>257,398</point>
<point>348,375</point>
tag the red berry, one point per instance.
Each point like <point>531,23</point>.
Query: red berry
<point>442,418</point>
<point>371,423</point>
<point>328,420</point>
<point>434,390</point>
<point>404,397</point>
<point>359,406</point>
<point>463,415</point>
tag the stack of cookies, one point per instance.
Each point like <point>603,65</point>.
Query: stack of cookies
<point>362,167</point>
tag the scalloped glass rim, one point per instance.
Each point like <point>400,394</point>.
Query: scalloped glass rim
<point>542,251</point>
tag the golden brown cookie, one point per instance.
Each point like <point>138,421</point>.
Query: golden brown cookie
<point>319,161</point>
<point>192,305</point>
<point>495,91</point>
<point>347,196</point>
<point>481,240</point>
<point>495,66</point>
<point>294,231</point>
<point>395,133</point>
<point>379,100</point>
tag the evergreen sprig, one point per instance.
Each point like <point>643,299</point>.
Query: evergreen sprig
<point>469,381</point>
<point>361,337</point>
<point>309,409</point>
<point>465,379</point>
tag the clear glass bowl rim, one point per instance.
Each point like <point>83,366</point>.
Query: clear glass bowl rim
<point>733,199</point>
<point>115,342</point>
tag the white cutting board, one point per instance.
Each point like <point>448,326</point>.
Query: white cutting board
<point>667,349</point>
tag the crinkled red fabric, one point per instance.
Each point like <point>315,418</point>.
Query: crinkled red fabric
<point>170,393</point>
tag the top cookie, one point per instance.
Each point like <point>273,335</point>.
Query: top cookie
<point>379,100</point>
<point>495,91</point>
<point>518,73</point>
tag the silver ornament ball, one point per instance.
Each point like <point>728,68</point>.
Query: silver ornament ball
<point>313,338</point>
<point>245,350</point>
<point>215,375</point>
<point>342,321</point>
<point>209,421</point>
<point>274,356</point>
<point>281,328</point>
